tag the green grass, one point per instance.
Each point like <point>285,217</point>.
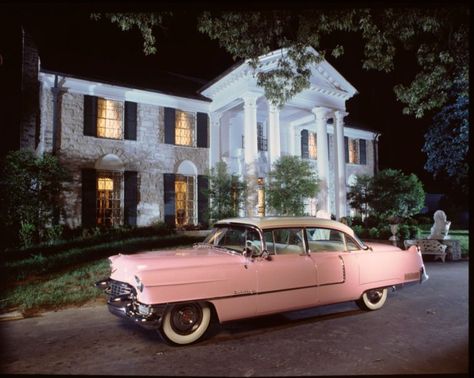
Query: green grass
<point>34,283</point>
<point>55,291</point>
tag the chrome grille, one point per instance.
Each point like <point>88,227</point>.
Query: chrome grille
<point>119,288</point>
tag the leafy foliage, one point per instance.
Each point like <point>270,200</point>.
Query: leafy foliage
<point>226,193</point>
<point>394,194</point>
<point>389,194</point>
<point>360,195</point>
<point>144,22</point>
<point>290,182</point>
<point>30,190</point>
<point>447,141</point>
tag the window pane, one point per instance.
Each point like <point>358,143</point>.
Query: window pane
<point>184,133</point>
<point>108,207</point>
<point>312,146</point>
<point>185,200</point>
<point>109,118</point>
<point>288,240</point>
<point>324,240</point>
<point>353,151</point>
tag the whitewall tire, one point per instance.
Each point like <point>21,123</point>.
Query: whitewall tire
<point>186,323</point>
<point>373,299</point>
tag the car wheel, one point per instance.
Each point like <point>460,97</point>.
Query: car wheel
<point>186,323</point>
<point>373,299</point>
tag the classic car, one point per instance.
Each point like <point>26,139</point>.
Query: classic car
<point>248,267</point>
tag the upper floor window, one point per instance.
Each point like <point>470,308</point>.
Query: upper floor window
<point>355,151</point>
<point>183,128</point>
<point>184,132</point>
<point>109,118</point>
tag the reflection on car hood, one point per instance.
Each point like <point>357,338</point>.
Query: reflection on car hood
<point>148,264</point>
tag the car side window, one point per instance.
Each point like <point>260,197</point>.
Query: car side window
<point>288,241</point>
<point>268,236</point>
<point>324,239</point>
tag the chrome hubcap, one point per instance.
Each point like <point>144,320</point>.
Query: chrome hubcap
<point>374,296</point>
<point>186,319</point>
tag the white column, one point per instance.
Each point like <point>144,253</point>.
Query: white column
<point>273,133</point>
<point>214,140</point>
<point>250,131</point>
<point>340,165</point>
<point>250,151</point>
<point>323,161</point>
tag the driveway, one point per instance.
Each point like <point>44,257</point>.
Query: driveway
<point>422,329</point>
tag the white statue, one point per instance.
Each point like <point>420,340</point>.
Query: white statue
<point>441,226</point>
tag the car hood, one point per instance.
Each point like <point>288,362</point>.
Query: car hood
<point>173,266</point>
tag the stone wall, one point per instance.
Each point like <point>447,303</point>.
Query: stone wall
<point>148,155</point>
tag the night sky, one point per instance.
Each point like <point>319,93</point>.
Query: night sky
<point>70,42</point>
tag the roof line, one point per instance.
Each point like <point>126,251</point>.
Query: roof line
<point>198,96</point>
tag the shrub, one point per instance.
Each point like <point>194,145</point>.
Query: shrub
<point>374,233</point>
<point>404,231</point>
<point>290,181</point>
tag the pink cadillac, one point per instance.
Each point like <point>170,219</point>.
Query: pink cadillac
<point>249,267</point>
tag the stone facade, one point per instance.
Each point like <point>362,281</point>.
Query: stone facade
<point>148,155</point>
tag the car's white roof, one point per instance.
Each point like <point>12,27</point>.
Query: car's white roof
<point>277,222</point>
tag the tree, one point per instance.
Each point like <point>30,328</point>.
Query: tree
<point>226,193</point>
<point>289,183</point>
<point>447,142</point>
<point>396,194</point>
<point>360,194</point>
<point>30,190</point>
<point>438,36</point>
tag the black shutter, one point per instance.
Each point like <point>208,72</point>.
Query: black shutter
<point>346,148</point>
<point>170,125</point>
<point>90,115</point>
<point>89,179</point>
<point>203,204</point>
<point>130,198</point>
<point>362,152</point>
<point>130,120</point>
<point>202,126</point>
<point>304,144</point>
<point>169,199</point>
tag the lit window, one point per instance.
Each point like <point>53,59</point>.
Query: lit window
<point>109,118</point>
<point>312,146</point>
<point>108,199</point>
<point>184,133</point>
<point>185,200</point>
<point>353,151</point>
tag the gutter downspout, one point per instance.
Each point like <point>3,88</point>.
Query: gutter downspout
<point>376,153</point>
<point>55,91</point>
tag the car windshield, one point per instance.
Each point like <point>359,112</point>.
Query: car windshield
<point>364,246</point>
<point>234,238</point>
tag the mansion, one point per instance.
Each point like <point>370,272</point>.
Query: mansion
<point>141,156</point>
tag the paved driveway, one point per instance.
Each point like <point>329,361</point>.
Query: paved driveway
<point>421,329</point>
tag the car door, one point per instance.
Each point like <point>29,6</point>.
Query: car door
<point>287,280</point>
<point>334,262</point>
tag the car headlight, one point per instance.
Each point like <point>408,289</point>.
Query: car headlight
<point>139,284</point>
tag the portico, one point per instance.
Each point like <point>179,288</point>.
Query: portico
<point>250,133</point>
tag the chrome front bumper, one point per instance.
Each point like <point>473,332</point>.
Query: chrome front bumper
<point>125,305</point>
